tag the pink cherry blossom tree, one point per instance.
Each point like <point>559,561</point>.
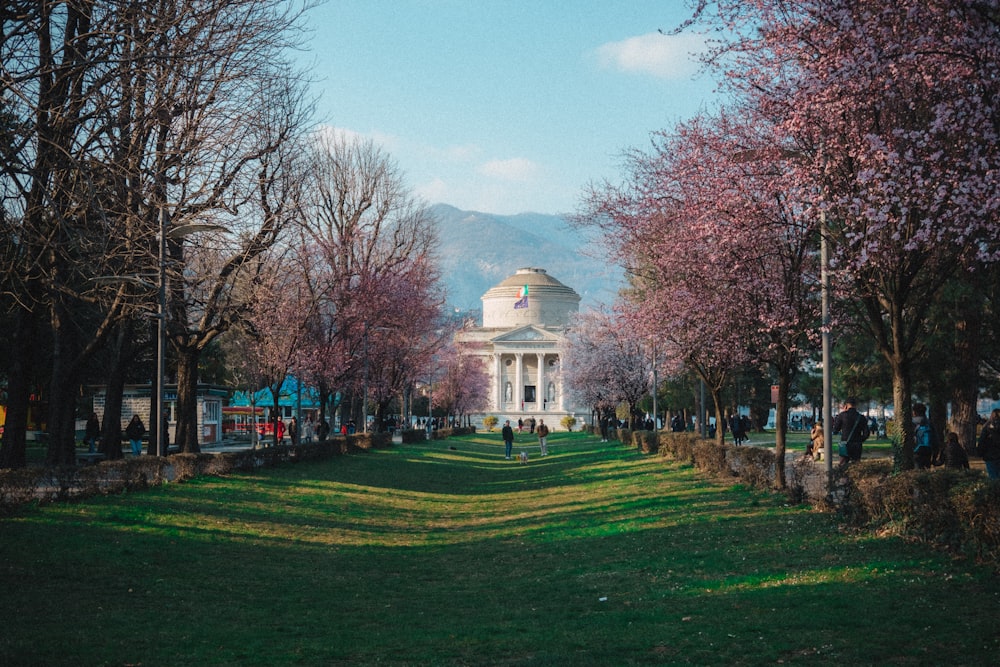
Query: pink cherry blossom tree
<point>720,251</point>
<point>373,272</point>
<point>464,382</point>
<point>606,363</point>
<point>893,112</point>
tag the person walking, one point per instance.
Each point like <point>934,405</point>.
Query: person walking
<point>543,432</point>
<point>853,429</point>
<point>508,438</point>
<point>134,432</point>
<point>989,445</point>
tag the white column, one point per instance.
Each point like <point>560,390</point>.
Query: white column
<point>519,380</point>
<point>558,385</point>
<point>540,394</point>
<point>498,381</point>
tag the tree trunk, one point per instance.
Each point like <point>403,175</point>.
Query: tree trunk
<point>965,391</point>
<point>902,443</point>
<point>111,423</point>
<point>63,385</point>
<point>720,432</point>
<point>187,402</point>
<point>781,427</point>
<point>13,450</point>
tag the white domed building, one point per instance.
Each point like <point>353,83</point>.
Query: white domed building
<point>522,340</point>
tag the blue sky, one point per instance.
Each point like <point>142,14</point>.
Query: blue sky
<point>504,106</point>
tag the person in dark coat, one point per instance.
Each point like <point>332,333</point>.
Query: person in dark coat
<point>508,438</point>
<point>989,445</point>
<point>93,432</point>
<point>853,429</point>
<point>134,432</point>
<point>954,453</point>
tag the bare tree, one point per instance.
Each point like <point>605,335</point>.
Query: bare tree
<point>374,271</point>
<point>117,114</point>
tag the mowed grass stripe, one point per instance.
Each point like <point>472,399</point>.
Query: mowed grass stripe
<point>446,554</point>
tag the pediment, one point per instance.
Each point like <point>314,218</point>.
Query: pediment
<point>528,334</point>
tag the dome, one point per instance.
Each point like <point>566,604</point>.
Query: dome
<point>548,303</point>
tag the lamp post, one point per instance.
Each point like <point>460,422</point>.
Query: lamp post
<point>824,282</point>
<point>364,397</point>
<point>655,385</point>
<point>161,332</point>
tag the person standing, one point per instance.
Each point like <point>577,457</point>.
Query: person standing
<point>954,453</point>
<point>93,432</point>
<point>508,438</point>
<point>543,433</point>
<point>989,445</point>
<point>736,426</point>
<point>279,431</point>
<point>922,452</point>
<point>134,432</point>
<point>293,431</point>
<point>853,429</point>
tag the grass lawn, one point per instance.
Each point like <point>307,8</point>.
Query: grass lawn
<point>446,554</point>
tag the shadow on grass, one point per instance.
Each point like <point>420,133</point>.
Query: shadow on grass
<point>429,555</point>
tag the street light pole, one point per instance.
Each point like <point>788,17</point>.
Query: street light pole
<point>824,258</point>
<point>364,397</point>
<point>655,385</point>
<point>161,333</point>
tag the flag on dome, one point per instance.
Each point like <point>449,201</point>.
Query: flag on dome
<point>522,301</point>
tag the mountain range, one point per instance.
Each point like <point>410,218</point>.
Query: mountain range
<point>478,250</point>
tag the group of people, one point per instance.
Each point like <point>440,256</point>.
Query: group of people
<point>310,430</point>
<point>541,430</point>
<point>854,428</point>
<point>528,423</point>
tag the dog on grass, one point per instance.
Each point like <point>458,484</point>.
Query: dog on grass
<point>523,457</point>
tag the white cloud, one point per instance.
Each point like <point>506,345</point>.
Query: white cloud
<point>663,56</point>
<point>515,169</point>
<point>455,174</point>
<point>434,191</point>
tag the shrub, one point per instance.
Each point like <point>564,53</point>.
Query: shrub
<point>490,422</point>
<point>680,446</point>
<point>755,465</point>
<point>647,442</point>
<point>710,456</point>
<point>955,509</point>
<point>568,422</point>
